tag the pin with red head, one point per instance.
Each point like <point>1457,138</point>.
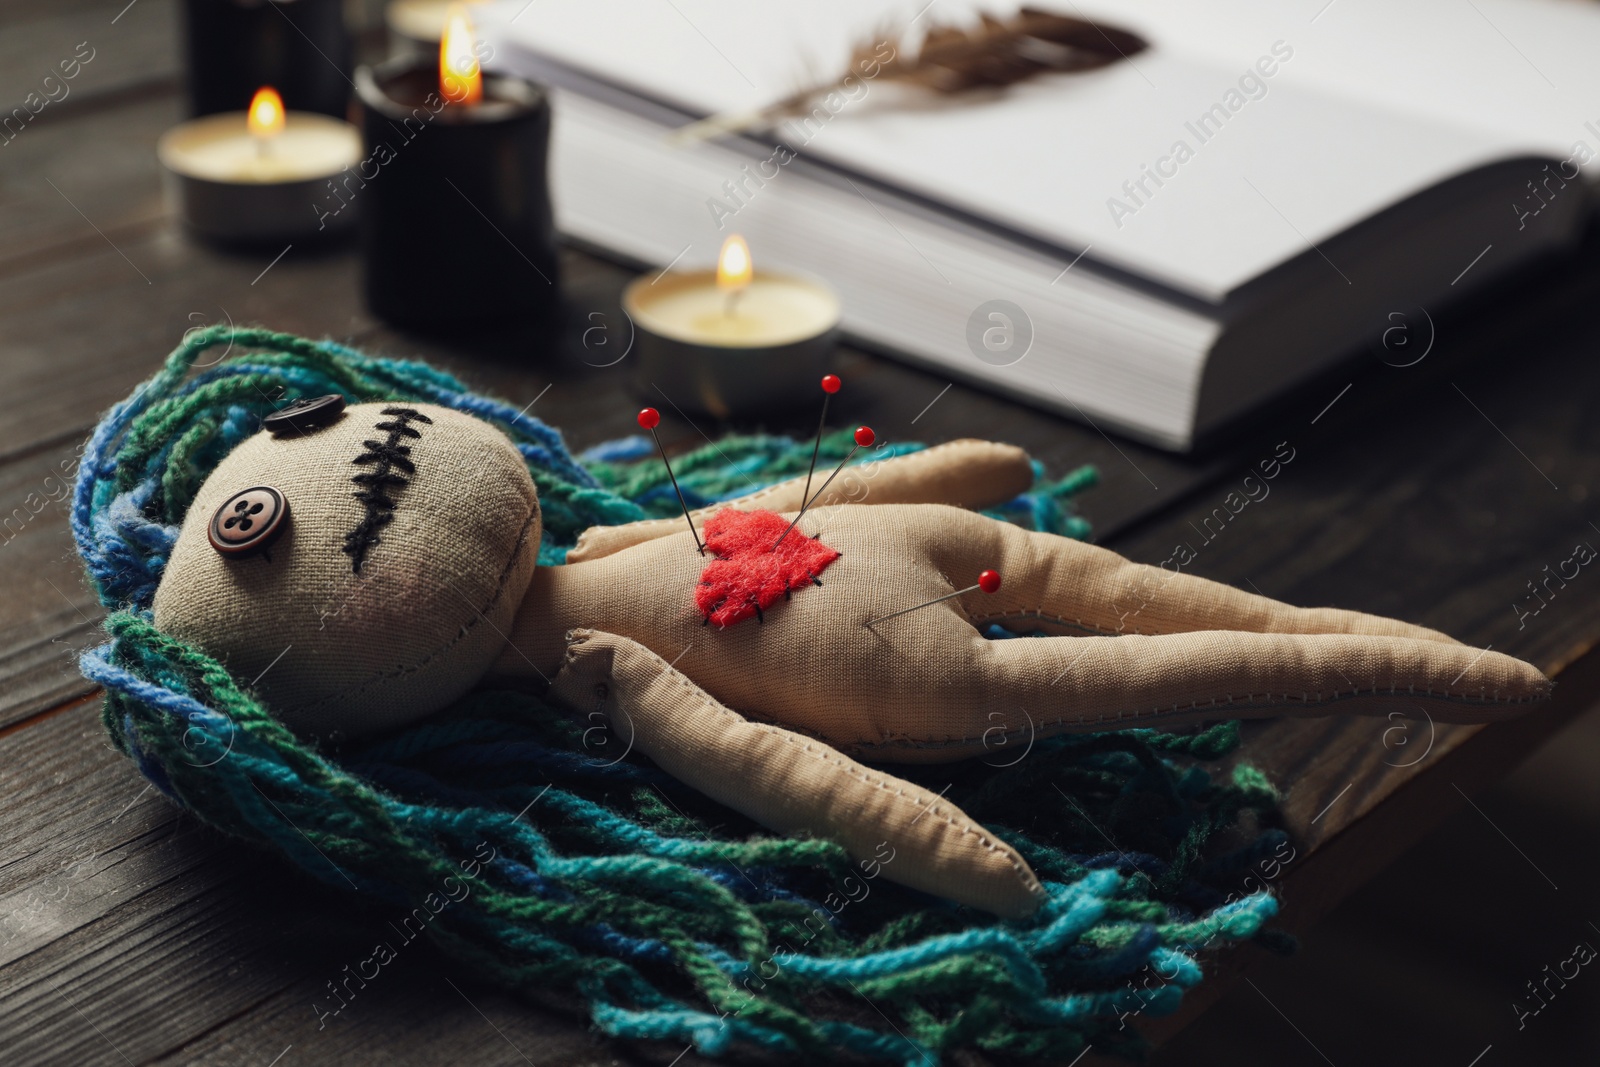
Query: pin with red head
<point>988,582</point>
<point>830,385</point>
<point>649,419</point>
<point>864,438</point>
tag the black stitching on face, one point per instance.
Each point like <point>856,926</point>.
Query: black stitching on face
<point>390,462</point>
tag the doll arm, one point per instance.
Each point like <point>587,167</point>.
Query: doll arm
<point>966,473</point>
<point>789,782</point>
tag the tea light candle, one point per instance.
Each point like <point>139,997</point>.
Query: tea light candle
<point>456,226</point>
<point>252,176</point>
<point>731,341</point>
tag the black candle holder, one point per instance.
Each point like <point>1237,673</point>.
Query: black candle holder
<point>299,47</point>
<point>456,224</point>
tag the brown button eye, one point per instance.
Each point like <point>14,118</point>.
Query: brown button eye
<point>248,522</point>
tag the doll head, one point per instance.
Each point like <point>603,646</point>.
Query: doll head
<point>357,566</point>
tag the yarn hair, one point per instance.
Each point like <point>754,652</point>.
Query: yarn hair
<point>663,914</point>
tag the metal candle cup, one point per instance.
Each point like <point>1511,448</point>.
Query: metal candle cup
<point>771,357</point>
<point>456,225</point>
<point>226,185</point>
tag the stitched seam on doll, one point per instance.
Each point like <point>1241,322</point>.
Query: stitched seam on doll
<point>984,841</point>
<point>1031,882</point>
<point>390,462</point>
<point>1287,700</point>
<point>1268,700</point>
<point>1040,613</point>
<point>461,635</point>
<point>1029,879</point>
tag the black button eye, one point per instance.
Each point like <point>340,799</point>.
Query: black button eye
<point>304,414</point>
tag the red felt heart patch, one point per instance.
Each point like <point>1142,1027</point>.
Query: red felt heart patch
<point>749,575</point>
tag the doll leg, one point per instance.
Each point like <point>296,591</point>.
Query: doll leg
<point>1081,588</point>
<point>1163,648</point>
<point>1031,687</point>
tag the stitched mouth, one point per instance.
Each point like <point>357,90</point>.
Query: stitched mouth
<point>388,464</point>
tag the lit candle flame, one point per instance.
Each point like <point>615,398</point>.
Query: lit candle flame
<point>265,117</point>
<point>734,268</point>
<point>460,80</point>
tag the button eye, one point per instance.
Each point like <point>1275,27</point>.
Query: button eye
<point>248,521</point>
<point>303,415</point>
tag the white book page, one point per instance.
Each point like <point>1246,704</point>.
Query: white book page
<point>1524,69</point>
<point>1282,163</point>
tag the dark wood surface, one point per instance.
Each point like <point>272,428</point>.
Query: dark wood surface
<point>130,934</point>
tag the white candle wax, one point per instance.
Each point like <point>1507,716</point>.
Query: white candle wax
<point>771,310</point>
<point>220,148</point>
<point>709,354</point>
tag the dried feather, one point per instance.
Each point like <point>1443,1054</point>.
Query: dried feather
<point>993,54</point>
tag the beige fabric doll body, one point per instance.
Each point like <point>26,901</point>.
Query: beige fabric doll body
<point>365,614</point>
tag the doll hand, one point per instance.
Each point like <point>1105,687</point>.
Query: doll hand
<point>965,473</point>
<point>789,782</point>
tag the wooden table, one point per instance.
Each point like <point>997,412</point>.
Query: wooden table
<point>130,934</point>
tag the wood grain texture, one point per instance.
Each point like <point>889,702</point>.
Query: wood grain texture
<point>73,187</point>
<point>130,933</point>
<point>1423,509</point>
<point>49,615</point>
<point>132,46</point>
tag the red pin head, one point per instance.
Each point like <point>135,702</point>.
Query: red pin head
<point>649,419</point>
<point>865,436</point>
<point>831,383</point>
<point>988,581</point>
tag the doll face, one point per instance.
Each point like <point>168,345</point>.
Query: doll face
<point>361,566</point>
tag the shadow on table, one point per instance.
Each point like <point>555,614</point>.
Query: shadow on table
<point>1438,958</point>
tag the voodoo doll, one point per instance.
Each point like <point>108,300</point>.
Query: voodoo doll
<point>369,565</point>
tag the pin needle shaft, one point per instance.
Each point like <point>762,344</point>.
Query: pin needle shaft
<point>650,418</point>
<point>988,581</point>
<point>864,437</point>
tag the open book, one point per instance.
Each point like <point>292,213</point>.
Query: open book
<point>1161,245</point>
